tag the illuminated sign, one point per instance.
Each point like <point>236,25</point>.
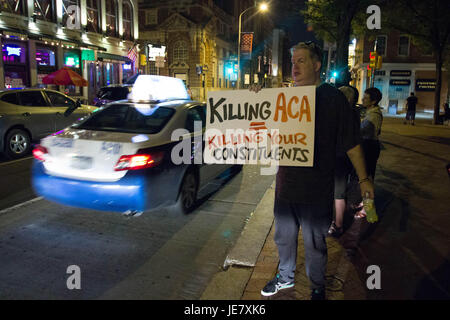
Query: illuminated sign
<point>400,73</point>
<point>400,82</point>
<point>151,88</point>
<point>154,52</point>
<point>127,66</point>
<point>71,59</point>
<point>13,51</point>
<point>425,84</point>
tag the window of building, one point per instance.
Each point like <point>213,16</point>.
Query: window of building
<point>93,15</point>
<point>151,17</point>
<point>403,46</point>
<point>45,57</point>
<point>13,6</point>
<point>381,45</point>
<point>111,18</point>
<point>127,18</point>
<point>45,10</point>
<point>180,51</point>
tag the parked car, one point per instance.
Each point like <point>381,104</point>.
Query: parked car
<point>27,115</point>
<point>112,93</point>
<point>120,158</point>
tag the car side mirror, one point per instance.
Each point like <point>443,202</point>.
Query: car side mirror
<point>72,108</point>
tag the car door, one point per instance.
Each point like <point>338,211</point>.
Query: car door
<point>196,114</point>
<point>35,113</point>
<point>59,104</point>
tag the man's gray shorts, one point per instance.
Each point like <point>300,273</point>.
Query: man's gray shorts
<point>314,219</point>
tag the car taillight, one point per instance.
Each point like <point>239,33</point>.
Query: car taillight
<point>39,152</point>
<point>139,161</point>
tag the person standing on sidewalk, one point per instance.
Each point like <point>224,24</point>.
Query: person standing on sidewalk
<point>304,195</point>
<point>371,129</point>
<point>343,169</point>
<point>411,103</point>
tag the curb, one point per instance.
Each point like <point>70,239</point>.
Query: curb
<point>231,283</point>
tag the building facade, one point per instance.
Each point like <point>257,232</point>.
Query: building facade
<point>405,69</point>
<point>92,37</point>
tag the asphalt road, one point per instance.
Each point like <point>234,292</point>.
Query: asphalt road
<point>157,255</point>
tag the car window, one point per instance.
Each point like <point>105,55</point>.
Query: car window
<point>10,98</point>
<point>59,100</point>
<point>126,118</point>
<point>114,93</point>
<point>195,114</point>
<point>32,98</point>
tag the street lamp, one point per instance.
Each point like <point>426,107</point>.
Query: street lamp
<point>263,7</point>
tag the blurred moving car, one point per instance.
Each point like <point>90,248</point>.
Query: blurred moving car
<point>112,93</point>
<point>28,115</point>
<point>122,157</point>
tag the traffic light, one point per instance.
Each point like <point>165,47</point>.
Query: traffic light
<point>335,74</point>
<point>373,60</point>
<point>369,71</point>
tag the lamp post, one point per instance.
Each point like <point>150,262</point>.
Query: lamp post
<point>262,7</point>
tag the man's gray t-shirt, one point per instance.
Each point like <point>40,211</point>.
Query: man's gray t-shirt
<point>334,126</point>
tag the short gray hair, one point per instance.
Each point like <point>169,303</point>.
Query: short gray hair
<point>315,51</point>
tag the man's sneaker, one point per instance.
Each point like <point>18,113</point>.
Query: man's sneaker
<point>275,285</point>
<point>317,294</point>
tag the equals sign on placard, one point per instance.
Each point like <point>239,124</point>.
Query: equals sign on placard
<point>257,126</point>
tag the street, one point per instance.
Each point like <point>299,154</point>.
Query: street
<point>154,256</point>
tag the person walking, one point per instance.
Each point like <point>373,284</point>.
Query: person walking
<point>411,103</point>
<point>343,169</point>
<point>304,195</point>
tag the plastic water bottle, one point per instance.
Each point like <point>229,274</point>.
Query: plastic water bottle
<point>369,208</point>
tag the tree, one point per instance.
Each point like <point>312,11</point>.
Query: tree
<point>332,21</point>
<point>428,23</point>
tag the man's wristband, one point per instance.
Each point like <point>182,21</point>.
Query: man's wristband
<point>364,180</point>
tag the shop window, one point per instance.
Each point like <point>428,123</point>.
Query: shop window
<point>45,57</point>
<point>127,19</point>
<point>111,18</point>
<point>381,45</point>
<point>45,10</point>
<point>13,6</point>
<point>71,14</point>
<point>71,59</point>
<point>93,15</point>
<point>14,53</point>
<point>180,51</point>
<point>403,46</point>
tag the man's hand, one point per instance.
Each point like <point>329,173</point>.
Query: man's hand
<point>367,187</point>
<point>255,87</point>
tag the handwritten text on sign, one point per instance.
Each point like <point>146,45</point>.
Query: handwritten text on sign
<point>273,125</point>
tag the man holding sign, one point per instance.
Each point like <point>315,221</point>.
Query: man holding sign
<point>304,195</point>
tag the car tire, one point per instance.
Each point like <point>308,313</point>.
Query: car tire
<point>187,196</point>
<point>17,144</point>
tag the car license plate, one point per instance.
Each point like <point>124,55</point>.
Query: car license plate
<point>80,162</point>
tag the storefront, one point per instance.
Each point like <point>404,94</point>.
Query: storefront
<point>72,59</point>
<point>46,62</point>
<point>15,63</point>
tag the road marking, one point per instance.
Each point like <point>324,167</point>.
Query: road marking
<point>17,206</point>
<point>13,161</point>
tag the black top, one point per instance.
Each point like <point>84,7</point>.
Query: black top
<point>334,129</point>
<point>411,103</point>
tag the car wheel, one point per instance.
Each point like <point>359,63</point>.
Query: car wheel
<point>187,197</point>
<point>18,143</point>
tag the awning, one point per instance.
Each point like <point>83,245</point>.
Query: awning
<point>110,56</point>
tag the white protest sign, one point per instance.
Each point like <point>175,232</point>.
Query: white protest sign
<point>273,125</point>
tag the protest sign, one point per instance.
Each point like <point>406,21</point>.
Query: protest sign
<point>273,125</point>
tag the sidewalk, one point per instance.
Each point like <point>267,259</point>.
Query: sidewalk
<point>410,243</point>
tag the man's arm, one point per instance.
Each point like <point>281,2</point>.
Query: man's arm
<point>356,156</point>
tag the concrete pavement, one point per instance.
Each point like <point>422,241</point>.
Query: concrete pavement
<point>410,243</point>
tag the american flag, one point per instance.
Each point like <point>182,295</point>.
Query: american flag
<point>132,53</point>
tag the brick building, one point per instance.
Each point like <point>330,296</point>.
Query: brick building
<point>405,69</point>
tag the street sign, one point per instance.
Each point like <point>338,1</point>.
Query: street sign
<point>159,62</point>
<point>425,84</point>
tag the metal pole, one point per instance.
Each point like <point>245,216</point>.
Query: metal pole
<point>239,51</point>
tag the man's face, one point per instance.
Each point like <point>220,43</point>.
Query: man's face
<point>366,100</point>
<point>304,69</point>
